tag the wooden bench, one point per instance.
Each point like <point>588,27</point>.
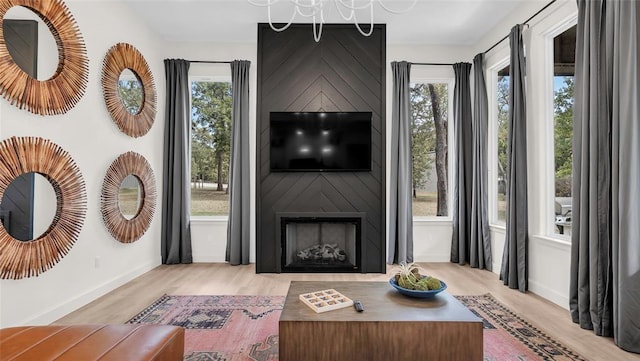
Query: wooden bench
<point>92,342</point>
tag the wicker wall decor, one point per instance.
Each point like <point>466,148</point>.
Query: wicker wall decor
<point>122,229</point>
<point>63,90</point>
<point>120,57</point>
<point>19,155</point>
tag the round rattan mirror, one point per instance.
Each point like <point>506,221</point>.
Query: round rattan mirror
<point>65,88</point>
<point>116,91</point>
<point>21,155</point>
<point>122,227</point>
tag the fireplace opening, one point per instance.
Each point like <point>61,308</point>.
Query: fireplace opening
<point>321,244</point>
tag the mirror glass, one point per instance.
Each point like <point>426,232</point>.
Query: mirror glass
<point>30,43</point>
<point>28,207</point>
<point>130,91</point>
<point>129,196</point>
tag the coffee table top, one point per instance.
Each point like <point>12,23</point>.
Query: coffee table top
<point>381,303</point>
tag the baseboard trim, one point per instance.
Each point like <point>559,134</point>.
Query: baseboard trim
<point>496,268</point>
<point>208,259</point>
<point>61,310</point>
<point>216,259</point>
<point>547,293</point>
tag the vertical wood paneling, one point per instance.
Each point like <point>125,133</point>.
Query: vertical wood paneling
<point>343,72</point>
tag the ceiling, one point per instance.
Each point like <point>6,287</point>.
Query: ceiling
<point>443,22</point>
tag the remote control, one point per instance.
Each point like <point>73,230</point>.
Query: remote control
<point>358,305</point>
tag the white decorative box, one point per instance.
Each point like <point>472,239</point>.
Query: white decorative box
<point>325,300</point>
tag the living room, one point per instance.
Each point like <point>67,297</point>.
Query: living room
<point>97,264</point>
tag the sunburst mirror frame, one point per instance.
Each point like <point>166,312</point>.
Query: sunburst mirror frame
<point>61,92</point>
<point>120,57</point>
<point>20,155</point>
<point>123,229</point>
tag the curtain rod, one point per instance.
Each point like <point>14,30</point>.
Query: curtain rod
<point>447,64</point>
<point>209,61</point>
<point>525,22</point>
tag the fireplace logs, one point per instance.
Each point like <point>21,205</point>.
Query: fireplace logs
<point>322,253</point>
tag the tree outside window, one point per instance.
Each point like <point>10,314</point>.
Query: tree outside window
<point>502,129</point>
<point>131,93</point>
<point>563,95</point>
<point>429,148</point>
<point>210,145</point>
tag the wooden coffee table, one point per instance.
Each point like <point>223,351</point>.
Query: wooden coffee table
<point>392,326</point>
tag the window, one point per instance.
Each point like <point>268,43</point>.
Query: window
<point>429,148</point>
<point>210,144</point>
<point>502,120</point>
<point>564,46</point>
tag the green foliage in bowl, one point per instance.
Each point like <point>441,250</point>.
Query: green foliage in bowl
<point>409,277</point>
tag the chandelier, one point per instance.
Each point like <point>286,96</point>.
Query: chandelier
<point>314,9</point>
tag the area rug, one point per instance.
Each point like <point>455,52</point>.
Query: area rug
<point>221,328</point>
<point>245,328</point>
<point>507,336</point>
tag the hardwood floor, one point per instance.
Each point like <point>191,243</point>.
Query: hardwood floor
<point>123,303</point>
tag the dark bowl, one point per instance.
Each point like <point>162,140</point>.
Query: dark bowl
<point>416,293</point>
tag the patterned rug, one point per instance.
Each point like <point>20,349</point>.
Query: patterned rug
<point>507,336</point>
<point>221,328</point>
<point>245,328</point>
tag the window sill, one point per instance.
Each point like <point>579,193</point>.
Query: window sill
<point>432,220</point>
<point>560,237</point>
<point>498,227</point>
<point>209,219</point>
<point>562,242</point>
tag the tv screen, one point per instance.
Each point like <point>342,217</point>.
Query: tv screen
<point>320,141</point>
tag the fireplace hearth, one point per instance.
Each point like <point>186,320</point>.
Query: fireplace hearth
<point>320,242</point>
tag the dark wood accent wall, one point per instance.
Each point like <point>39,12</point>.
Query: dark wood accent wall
<point>345,71</point>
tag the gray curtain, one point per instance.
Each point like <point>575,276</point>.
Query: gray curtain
<point>175,238</point>
<point>400,202</point>
<point>462,128</point>
<point>238,235</point>
<point>605,253</point>
<point>480,252</point>
<point>515,263</point>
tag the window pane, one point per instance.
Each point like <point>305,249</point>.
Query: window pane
<point>210,143</point>
<point>563,71</point>
<point>429,148</point>
<point>502,128</point>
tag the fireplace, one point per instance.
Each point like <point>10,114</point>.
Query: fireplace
<point>320,242</point>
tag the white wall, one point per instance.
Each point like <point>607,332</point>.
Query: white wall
<point>97,263</point>
<point>549,253</point>
<point>45,208</point>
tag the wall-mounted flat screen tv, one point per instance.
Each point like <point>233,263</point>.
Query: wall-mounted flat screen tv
<point>320,141</point>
